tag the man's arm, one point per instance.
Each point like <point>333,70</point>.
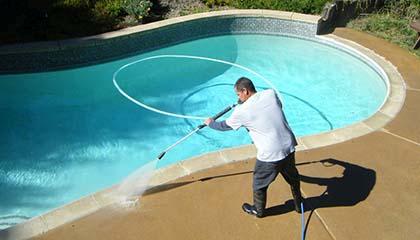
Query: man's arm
<point>220,126</point>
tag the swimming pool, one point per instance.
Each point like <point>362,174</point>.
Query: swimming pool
<point>69,133</point>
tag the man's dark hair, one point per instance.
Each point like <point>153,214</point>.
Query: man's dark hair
<point>246,83</point>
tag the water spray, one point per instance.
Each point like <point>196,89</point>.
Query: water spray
<point>136,183</point>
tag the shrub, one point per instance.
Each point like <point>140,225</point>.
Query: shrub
<point>409,9</point>
<point>389,27</point>
<point>392,23</point>
<point>109,8</point>
<point>76,3</point>
<point>301,6</point>
<point>212,3</point>
<point>137,8</point>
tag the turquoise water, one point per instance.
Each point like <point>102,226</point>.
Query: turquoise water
<point>66,134</point>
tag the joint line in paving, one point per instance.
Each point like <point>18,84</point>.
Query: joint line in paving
<point>324,224</point>
<point>321,219</point>
<point>400,137</point>
<point>413,89</point>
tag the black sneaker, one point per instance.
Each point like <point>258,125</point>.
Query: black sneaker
<point>252,210</point>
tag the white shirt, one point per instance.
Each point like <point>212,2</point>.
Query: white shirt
<point>263,116</point>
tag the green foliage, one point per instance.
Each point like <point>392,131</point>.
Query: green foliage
<point>109,8</point>
<point>392,23</point>
<point>301,6</point>
<point>213,3</point>
<point>389,25</point>
<point>408,9</point>
<point>194,10</point>
<point>35,20</point>
<point>137,8</point>
<point>76,3</point>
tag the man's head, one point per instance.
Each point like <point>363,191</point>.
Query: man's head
<point>244,88</point>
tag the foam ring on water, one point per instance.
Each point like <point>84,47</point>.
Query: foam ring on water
<point>180,56</point>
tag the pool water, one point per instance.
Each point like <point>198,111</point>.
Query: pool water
<point>66,134</point>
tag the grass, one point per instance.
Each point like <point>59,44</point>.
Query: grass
<point>390,27</point>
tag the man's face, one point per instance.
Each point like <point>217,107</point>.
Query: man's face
<point>242,94</point>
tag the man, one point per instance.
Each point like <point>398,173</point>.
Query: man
<point>262,115</point>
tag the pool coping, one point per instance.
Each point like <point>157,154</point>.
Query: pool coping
<point>89,204</point>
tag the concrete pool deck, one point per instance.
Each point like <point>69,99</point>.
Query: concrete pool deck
<point>366,187</point>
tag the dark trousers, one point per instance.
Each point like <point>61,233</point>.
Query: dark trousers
<point>266,172</point>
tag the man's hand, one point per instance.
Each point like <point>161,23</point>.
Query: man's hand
<point>208,121</point>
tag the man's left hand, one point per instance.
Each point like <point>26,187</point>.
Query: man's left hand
<point>208,121</point>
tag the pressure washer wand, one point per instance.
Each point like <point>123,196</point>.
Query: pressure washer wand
<point>196,130</point>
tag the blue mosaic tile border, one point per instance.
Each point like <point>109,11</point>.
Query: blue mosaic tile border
<point>97,51</point>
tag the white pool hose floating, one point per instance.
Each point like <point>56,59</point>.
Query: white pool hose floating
<point>114,79</point>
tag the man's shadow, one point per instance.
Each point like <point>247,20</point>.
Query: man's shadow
<point>352,187</point>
